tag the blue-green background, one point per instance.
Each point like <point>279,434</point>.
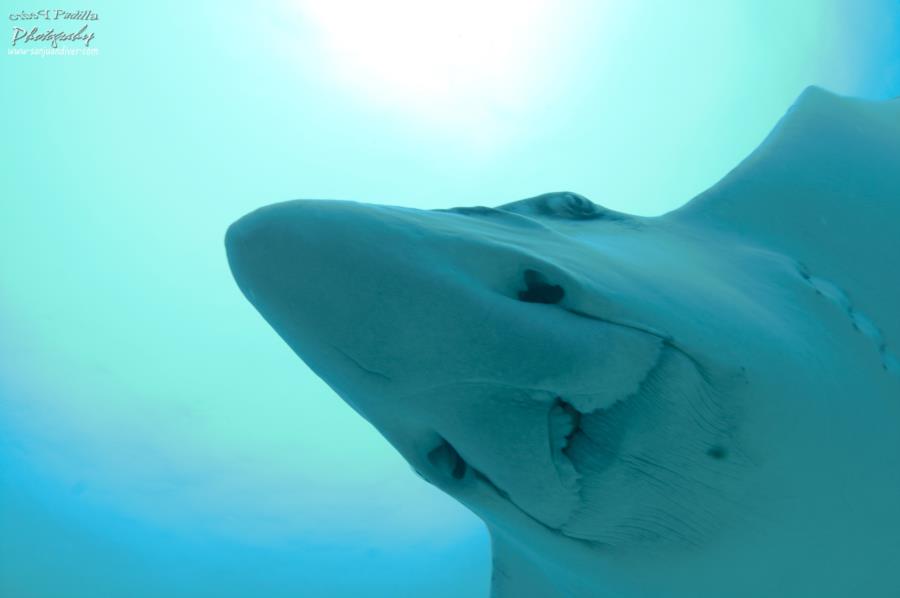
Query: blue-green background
<point>156,438</point>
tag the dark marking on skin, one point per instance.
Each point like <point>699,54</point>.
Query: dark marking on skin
<point>717,452</point>
<point>858,321</point>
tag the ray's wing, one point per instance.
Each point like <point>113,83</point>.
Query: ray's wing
<point>824,188</point>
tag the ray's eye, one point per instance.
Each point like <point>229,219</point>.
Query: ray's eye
<point>538,290</point>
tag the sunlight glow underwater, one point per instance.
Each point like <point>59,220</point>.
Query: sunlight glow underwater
<point>157,438</point>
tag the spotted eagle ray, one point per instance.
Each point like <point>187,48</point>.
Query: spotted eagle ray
<point>704,403</point>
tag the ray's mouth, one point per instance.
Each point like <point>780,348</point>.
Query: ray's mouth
<point>450,470</point>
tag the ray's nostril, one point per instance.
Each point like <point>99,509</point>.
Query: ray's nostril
<point>459,469</point>
<point>538,290</point>
<point>447,460</point>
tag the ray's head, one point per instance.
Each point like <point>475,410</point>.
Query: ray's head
<point>486,348</point>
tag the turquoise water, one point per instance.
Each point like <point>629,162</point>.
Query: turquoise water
<point>157,438</point>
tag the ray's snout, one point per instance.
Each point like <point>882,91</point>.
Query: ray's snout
<point>294,262</point>
<point>317,270</point>
<point>275,250</point>
<point>256,238</point>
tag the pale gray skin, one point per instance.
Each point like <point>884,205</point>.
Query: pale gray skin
<point>705,403</point>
